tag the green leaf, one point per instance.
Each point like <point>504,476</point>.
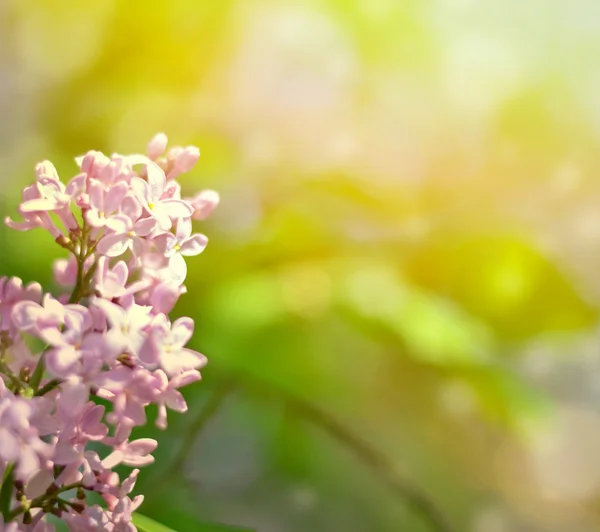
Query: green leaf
<point>6,491</point>
<point>435,330</point>
<point>145,524</point>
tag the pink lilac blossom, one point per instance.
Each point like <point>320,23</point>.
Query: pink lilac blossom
<point>110,338</point>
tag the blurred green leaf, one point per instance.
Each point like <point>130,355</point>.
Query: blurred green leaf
<point>505,398</point>
<point>6,490</point>
<point>146,524</point>
<point>502,280</point>
<point>434,330</point>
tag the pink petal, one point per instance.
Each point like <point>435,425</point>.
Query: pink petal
<point>182,330</point>
<point>193,245</point>
<point>75,185</point>
<point>141,190</point>
<point>159,212</point>
<point>113,459</point>
<point>65,453</point>
<point>137,246</point>
<point>178,268</point>
<point>185,378</point>
<point>175,401</point>
<point>22,226</point>
<point>115,196</point>
<point>177,208</point>
<point>165,243</point>
<point>115,380</point>
<point>10,445</point>
<point>115,315</point>
<point>53,337</point>
<point>96,192</point>
<point>184,229</point>
<point>93,218</point>
<point>144,226</point>
<point>187,158</point>
<point>204,204</point>
<point>118,223</point>
<point>157,146</point>
<point>185,359</point>
<point>113,245</point>
<point>60,360</point>
<point>41,204</point>
<point>131,207</point>
<point>149,352</point>
<point>121,272</point>
<point>164,297</point>
<point>141,447</point>
<point>135,411</point>
<point>25,314</point>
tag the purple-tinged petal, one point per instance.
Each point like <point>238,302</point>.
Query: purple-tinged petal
<point>182,330</point>
<point>177,208</point>
<point>96,192</point>
<point>41,204</point>
<point>113,245</point>
<point>157,146</point>
<point>115,195</point>
<point>178,268</point>
<point>144,226</point>
<point>141,190</point>
<point>166,243</point>
<point>115,315</point>
<point>184,229</point>
<point>193,245</point>
<point>61,360</point>
<point>121,272</point>
<point>131,207</point>
<point>118,223</point>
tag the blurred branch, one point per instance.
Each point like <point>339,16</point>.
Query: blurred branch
<point>211,407</point>
<point>370,456</point>
<point>222,390</point>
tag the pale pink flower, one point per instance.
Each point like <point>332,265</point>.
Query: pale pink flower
<point>130,232</point>
<point>107,343</point>
<point>157,146</point>
<point>164,346</point>
<point>20,441</point>
<point>150,195</point>
<point>104,202</point>
<point>204,203</point>
<point>11,292</point>
<point>129,390</point>
<point>176,246</point>
<point>112,283</point>
<point>126,325</point>
<point>168,395</point>
<point>134,453</point>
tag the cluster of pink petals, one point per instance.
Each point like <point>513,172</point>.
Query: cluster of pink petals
<point>129,231</point>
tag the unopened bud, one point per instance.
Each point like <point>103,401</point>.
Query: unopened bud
<point>157,146</point>
<point>64,242</point>
<point>78,507</point>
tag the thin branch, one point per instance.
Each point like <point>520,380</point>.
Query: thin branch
<point>212,406</point>
<point>197,425</point>
<point>371,457</point>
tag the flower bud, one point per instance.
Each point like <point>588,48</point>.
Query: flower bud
<point>157,146</point>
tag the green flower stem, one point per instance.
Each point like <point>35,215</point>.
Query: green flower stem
<point>41,501</point>
<point>48,387</point>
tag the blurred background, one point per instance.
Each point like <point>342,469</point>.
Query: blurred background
<point>400,298</point>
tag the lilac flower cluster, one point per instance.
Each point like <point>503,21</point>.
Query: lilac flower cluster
<point>108,336</point>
